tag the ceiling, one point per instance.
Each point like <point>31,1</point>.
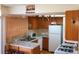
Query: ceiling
<point>12,5</point>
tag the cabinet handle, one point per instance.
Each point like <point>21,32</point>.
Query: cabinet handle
<point>73,21</point>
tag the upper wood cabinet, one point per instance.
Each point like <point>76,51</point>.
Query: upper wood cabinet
<point>43,23</point>
<point>58,20</point>
<point>35,22</point>
<point>32,22</point>
<point>72,25</point>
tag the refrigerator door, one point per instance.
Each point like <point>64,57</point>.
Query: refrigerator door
<point>54,41</point>
<point>55,29</point>
<point>54,37</point>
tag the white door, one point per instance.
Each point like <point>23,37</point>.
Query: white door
<point>55,29</point>
<point>54,41</point>
<point>0,35</point>
<point>40,42</point>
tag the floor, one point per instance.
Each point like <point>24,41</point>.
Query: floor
<point>42,52</point>
<point>45,52</point>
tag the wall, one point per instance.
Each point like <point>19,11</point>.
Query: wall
<point>41,8</point>
<point>0,10</point>
<point>0,29</point>
<point>0,34</point>
<point>5,10</point>
<point>55,7</point>
<point>18,9</point>
<point>15,26</point>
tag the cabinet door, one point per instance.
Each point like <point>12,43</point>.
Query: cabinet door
<point>40,42</point>
<point>45,43</point>
<point>43,23</point>
<point>68,26</point>
<point>78,25</point>
<point>32,22</point>
<point>72,25</point>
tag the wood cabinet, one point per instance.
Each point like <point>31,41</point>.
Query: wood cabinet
<point>32,22</point>
<point>36,22</point>
<point>12,49</point>
<point>36,50</point>
<point>45,43</point>
<point>72,25</point>
<point>58,20</point>
<point>43,23</point>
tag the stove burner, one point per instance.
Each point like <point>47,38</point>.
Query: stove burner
<point>70,47</point>
<point>61,49</point>
<point>71,51</point>
<point>66,50</point>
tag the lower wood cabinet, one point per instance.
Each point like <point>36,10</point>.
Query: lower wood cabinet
<point>36,50</point>
<point>11,49</point>
<point>45,43</point>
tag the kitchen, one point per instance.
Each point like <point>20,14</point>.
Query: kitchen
<point>33,33</point>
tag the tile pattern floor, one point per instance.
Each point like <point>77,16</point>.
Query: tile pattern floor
<point>45,52</point>
<point>42,52</point>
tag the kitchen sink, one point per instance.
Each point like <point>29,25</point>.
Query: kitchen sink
<point>26,39</point>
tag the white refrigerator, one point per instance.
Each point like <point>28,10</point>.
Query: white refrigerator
<point>55,37</point>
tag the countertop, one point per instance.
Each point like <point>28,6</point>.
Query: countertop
<point>25,44</point>
<point>40,36</point>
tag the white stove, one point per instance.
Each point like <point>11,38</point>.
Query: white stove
<point>66,48</point>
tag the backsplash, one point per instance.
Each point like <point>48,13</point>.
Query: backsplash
<point>39,31</point>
